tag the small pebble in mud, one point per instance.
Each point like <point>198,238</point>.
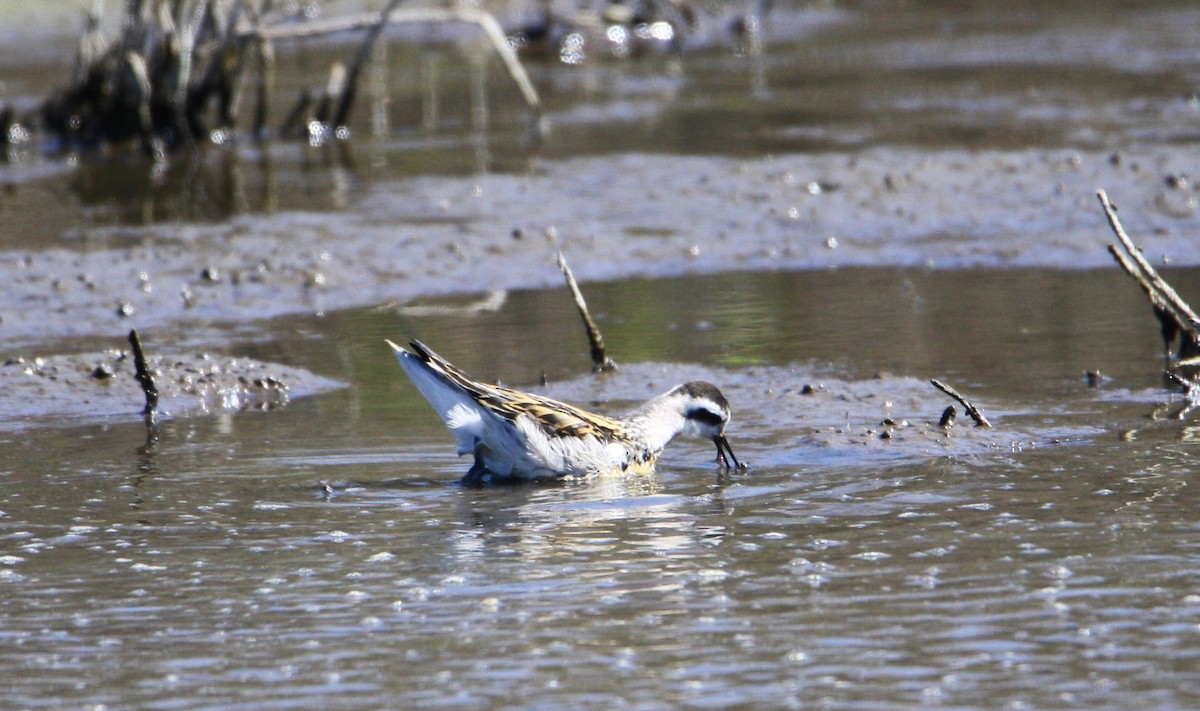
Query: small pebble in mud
<point>210,274</point>
<point>1095,378</point>
<point>947,420</point>
<point>102,372</point>
<point>125,309</point>
<point>1178,181</point>
<point>518,233</point>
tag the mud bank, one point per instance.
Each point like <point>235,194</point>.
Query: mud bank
<point>626,215</point>
<point>799,416</point>
<point>91,387</point>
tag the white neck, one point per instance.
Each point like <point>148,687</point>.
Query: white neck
<point>657,422</point>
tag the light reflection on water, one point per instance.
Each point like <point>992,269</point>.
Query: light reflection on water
<point>323,553</point>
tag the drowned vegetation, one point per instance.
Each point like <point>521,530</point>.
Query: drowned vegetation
<point>183,71</point>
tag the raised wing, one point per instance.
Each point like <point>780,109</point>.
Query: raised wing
<point>558,418</point>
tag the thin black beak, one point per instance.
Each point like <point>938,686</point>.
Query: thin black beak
<point>723,448</point>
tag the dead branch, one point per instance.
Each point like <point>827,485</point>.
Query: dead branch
<point>175,72</point>
<point>431,15</point>
<point>143,376</point>
<point>980,420</point>
<point>1175,317</point>
<point>601,363</point>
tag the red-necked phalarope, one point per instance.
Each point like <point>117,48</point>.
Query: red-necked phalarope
<point>516,435</point>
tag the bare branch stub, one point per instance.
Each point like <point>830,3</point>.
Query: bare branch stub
<point>975,414</point>
<point>600,361</point>
<point>143,376</point>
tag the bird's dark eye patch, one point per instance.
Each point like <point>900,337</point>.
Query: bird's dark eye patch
<point>708,417</point>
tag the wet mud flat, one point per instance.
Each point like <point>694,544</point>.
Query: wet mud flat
<point>821,271</point>
<point>626,216</point>
<point>884,419</point>
<point>631,216</point>
<point>103,387</point>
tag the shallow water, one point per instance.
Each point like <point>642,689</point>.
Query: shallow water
<point>786,222</point>
<point>1045,562</point>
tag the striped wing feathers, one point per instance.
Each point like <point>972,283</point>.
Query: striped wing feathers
<point>559,418</point>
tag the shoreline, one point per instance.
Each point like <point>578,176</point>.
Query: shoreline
<point>631,215</point>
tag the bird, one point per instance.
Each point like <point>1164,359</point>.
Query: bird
<point>518,436</point>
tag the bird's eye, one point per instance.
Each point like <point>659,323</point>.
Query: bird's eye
<point>708,417</point>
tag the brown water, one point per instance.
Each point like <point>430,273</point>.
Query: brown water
<point>322,555</point>
<point>1046,562</point>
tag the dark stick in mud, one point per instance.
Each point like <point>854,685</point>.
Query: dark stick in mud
<point>1173,313</point>
<point>601,363</point>
<point>143,376</point>
<point>980,420</point>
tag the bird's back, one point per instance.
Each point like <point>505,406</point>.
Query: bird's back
<point>514,433</point>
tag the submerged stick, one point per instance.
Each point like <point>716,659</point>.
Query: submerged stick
<point>143,376</point>
<point>980,420</point>
<point>600,361</point>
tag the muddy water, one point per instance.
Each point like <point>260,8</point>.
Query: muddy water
<point>321,555</point>
<point>1045,562</point>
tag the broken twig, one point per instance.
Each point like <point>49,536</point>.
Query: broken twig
<point>601,363</point>
<point>143,376</point>
<point>980,420</point>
